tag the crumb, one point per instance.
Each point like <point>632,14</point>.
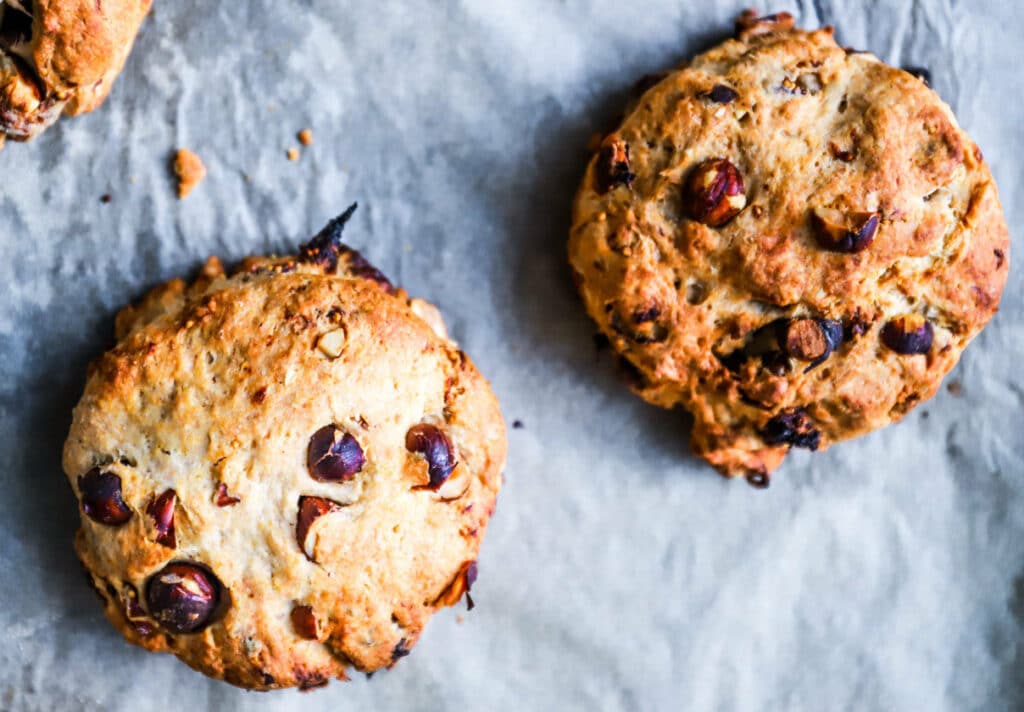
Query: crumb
<point>955,387</point>
<point>293,154</point>
<point>517,424</point>
<point>459,619</point>
<point>190,171</point>
<point>106,198</point>
<point>306,137</point>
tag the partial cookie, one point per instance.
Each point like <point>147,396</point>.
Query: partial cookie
<point>791,240</point>
<point>60,56</point>
<point>285,471</point>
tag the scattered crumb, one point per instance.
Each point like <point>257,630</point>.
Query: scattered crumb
<point>955,387</point>
<point>190,171</point>
<point>517,424</point>
<point>924,415</point>
<point>293,154</point>
<point>306,137</point>
<point>106,198</point>
<point>459,618</point>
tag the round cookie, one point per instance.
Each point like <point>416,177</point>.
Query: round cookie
<point>60,56</point>
<point>791,240</point>
<point>285,471</point>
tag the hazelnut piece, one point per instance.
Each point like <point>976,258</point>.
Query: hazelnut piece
<point>805,339</point>
<point>311,509</point>
<point>714,193</point>
<point>161,509</point>
<point>182,596</point>
<point>333,455</point>
<point>304,622</point>
<point>721,94</point>
<point>750,24</point>
<point>436,448</point>
<point>101,498</point>
<point>908,334</point>
<point>791,427</point>
<point>839,232</point>
<point>332,343</point>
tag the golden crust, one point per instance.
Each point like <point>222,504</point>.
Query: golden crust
<point>808,126</point>
<point>223,382</point>
<point>75,52</point>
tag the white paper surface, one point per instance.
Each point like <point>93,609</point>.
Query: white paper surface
<point>619,572</point>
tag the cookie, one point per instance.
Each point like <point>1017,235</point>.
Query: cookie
<point>60,56</point>
<point>791,240</point>
<point>285,471</point>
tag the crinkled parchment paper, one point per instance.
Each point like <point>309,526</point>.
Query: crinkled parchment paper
<point>619,572</point>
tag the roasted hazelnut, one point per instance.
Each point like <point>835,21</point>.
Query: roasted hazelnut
<point>750,24</point>
<point>333,455</point>
<point>161,509</point>
<point>311,509</point>
<point>721,94</point>
<point>844,232</point>
<point>460,584</point>
<point>908,334</point>
<point>714,192</point>
<point>183,596</point>
<point>791,427</point>
<point>805,339</point>
<point>435,446</point>
<point>101,498</point>
<point>612,168</point>
<point>304,622</point>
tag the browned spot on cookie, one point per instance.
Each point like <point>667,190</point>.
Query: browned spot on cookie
<point>259,395</point>
<point>612,168</point>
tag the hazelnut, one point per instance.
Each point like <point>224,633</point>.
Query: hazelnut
<point>714,193</point>
<point>805,340</point>
<point>161,509</point>
<point>750,24</point>
<point>844,232</point>
<point>183,596</point>
<point>332,343</point>
<point>436,448</point>
<point>791,427</point>
<point>462,582</point>
<point>333,455</point>
<point>101,498</point>
<point>721,94</point>
<point>908,334</point>
<point>311,509</point>
<point>612,168</point>
<point>304,622</point>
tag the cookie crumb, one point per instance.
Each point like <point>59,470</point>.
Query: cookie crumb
<point>189,170</point>
<point>955,388</point>
<point>106,198</point>
<point>306,137</point>
<point>293,154</point>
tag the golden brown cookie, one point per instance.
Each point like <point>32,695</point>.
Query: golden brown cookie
<point>792,241</point>
<point>285,471</point>
<point>60,56</point>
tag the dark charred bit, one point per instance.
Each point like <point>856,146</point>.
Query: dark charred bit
<point>759,479</point>
<point>106,198</point>
<point>908,334</point>
<point>721,94</point>
<point>612,169</point>
<point>311,681</point>
<point>921,73</point>
<point>517,425</point>
<point>326,245</point>
<point>644,327</point>
<point>361,267</point>
<point>791,427</point>
<point>856,326</point>
<point>400,650</point>
<point>268,679</point>
<point>840,154</point>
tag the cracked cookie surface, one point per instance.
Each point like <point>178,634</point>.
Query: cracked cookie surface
<point>793,241</point>
<point>285,471</point>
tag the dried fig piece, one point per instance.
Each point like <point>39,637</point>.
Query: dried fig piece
<point>326,249</point>
<point>333,455</point>
<point>436,448</point>
<point>310,510</point>
<point>714,193</point>
<point>844,232</point>
<point>161,509</point>
<point>304,622</point>
<point>792,427</point>
<point>183,596</point>
<point>612,169</point>
<point>751,24</point>
<point>908,334</point>
<point>101,498</point>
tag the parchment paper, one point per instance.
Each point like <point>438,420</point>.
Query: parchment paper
<point>619,573</point>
